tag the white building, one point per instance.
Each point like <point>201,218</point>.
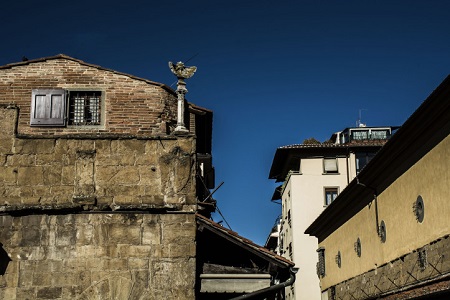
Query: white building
<point>313,175</point>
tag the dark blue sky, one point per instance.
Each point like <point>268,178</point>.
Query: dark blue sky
<point>274,73</point>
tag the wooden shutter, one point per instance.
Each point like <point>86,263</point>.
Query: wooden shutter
<point>48,107</point>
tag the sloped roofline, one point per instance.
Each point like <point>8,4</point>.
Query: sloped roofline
<point>420,133</point>
<point>63,56</point>
<point>243,242</point>
<point>283,154</point>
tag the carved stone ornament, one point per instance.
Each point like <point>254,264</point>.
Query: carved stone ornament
<point>181,71</point>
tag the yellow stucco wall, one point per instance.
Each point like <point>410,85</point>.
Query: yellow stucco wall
<point>430,178</point>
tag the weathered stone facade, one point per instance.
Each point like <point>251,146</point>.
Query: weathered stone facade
<point>99,256</point>
<point>68,172</point>
<point>428,264</point>
<point>95,212</point>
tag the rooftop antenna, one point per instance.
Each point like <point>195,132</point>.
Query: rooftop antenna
<point>358,122</point>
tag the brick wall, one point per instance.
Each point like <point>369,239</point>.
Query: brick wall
<point>132,105</point>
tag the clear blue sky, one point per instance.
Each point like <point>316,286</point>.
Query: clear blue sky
<point>274,73</point>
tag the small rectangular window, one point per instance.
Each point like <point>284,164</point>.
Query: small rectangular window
<point>330,195</point>
<point>330,165</point>
<point>84,108</point>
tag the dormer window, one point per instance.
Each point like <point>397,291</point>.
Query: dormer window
<point>360,135</point>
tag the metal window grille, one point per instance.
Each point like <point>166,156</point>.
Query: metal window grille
<point>85,108</point>
<point>321,263</point>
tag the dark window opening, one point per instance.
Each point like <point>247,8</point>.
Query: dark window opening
<point>330,195</point>
<point>362,159</point>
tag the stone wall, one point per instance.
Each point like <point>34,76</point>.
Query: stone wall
<point>114,173</point>
<point>98,256</point>
<point>418,271</point>
<point>95,212</point>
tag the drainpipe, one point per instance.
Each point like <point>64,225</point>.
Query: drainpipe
<point>273,288</point>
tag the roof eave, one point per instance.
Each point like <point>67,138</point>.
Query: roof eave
<point>426,127</point>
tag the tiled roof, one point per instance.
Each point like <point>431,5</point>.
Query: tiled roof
<point>241,240</point>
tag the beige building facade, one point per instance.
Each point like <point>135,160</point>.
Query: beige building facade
<point>313,175</point>
<point>387,235</point>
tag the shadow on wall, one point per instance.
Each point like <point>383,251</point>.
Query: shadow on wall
<point>4,260</point>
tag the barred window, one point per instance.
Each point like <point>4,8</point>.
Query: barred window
<point>321,262</point>
<point>84,108</point>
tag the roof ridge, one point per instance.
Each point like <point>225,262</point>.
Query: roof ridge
<point>64,56</point>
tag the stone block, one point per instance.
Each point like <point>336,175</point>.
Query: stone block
<point>25,294</point>
<point>8,175</point>
<point>85,234</point>
<point>6,145</point>
<point>68,175</point>
<point>42,278</point>
<point>52,175</point>
<point>151,235</point>
<point>103,148</point>
<point>138,264</point>
<point>136,147</point>
<point>118,234</point>
<point>65,235</point>
<point>37,146</point>
<point>117,159</point>
<point>26,278</point>
<point>49,293</point>
<point>30,176</point>
<point>31,236</point>
<point>10,294</point>
<point>71,292</point>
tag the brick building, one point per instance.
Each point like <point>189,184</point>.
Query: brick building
<point>97,196</point>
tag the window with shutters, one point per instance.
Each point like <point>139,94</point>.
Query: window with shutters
<point>58,107</point>
<point>330,166</point>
